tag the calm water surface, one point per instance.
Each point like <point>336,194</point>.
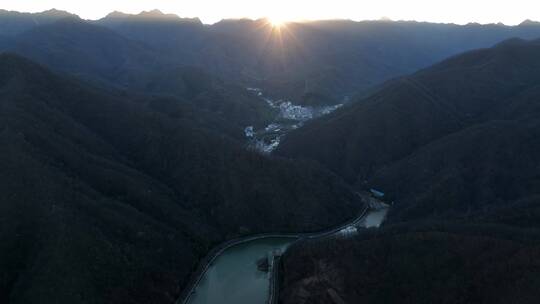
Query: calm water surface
<point>233,278</point>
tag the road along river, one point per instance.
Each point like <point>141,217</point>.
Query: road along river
<point>231,275</point>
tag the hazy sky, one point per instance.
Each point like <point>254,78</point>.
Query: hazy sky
<point>210,11</point>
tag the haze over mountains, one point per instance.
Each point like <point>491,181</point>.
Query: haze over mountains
<point>124,156</point>
<point>314,62</point>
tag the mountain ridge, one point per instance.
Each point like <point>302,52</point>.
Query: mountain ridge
<point>366,140</point>
<point>107,200</point>
<point>317,62</point>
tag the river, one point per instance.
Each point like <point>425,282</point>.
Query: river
<point>234,278</point>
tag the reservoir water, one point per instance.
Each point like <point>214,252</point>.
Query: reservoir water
<point>234,278</point>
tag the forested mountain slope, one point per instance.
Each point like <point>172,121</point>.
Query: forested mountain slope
<point>455,147</point>
<point>456,137</point>
<point>416,263</point>
<point>105,200</point>
<point>100,55</point>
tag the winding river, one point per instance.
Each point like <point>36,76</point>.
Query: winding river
<point>234,278</point>
<point>232,275</point>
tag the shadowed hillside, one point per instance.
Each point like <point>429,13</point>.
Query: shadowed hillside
<point>460,141</point>
<point>74,46</point>
<point>106,200</point>
<point>460,136</point>
<point>100,55</point>
<point>123,156</point>
<point>418,263</point>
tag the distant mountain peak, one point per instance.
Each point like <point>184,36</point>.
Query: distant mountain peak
<point>155,13</point>
<point>117,14</point>
<point>56,12</point>
<point>528,22</point>
<point>48,13</point>
<point>152,15</point>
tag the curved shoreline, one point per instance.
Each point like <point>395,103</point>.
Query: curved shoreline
<point>274,280</point>
<point>212,255</point>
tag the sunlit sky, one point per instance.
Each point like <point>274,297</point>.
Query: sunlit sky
<point>210,11</point>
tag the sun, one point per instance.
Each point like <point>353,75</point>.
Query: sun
<point>276,21</point>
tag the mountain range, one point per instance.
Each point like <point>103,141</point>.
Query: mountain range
<point>319,62</point>
<point>106,197</point>
<point>455,150</point>
<point>462,121</point>
<point>124,158</point>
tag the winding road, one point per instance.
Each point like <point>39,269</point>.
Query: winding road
<point>372,205</point>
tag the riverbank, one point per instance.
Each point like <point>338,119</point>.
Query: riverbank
<point>213,254</point>
<point>273,289</point>
<point>207,261</point>
<point>374,207</point>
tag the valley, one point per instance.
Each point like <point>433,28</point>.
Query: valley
<point>145,193</point>
<point>230,273</point>
<point>290,117</point>
<point>155,159</point>
<point>473,202</point>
